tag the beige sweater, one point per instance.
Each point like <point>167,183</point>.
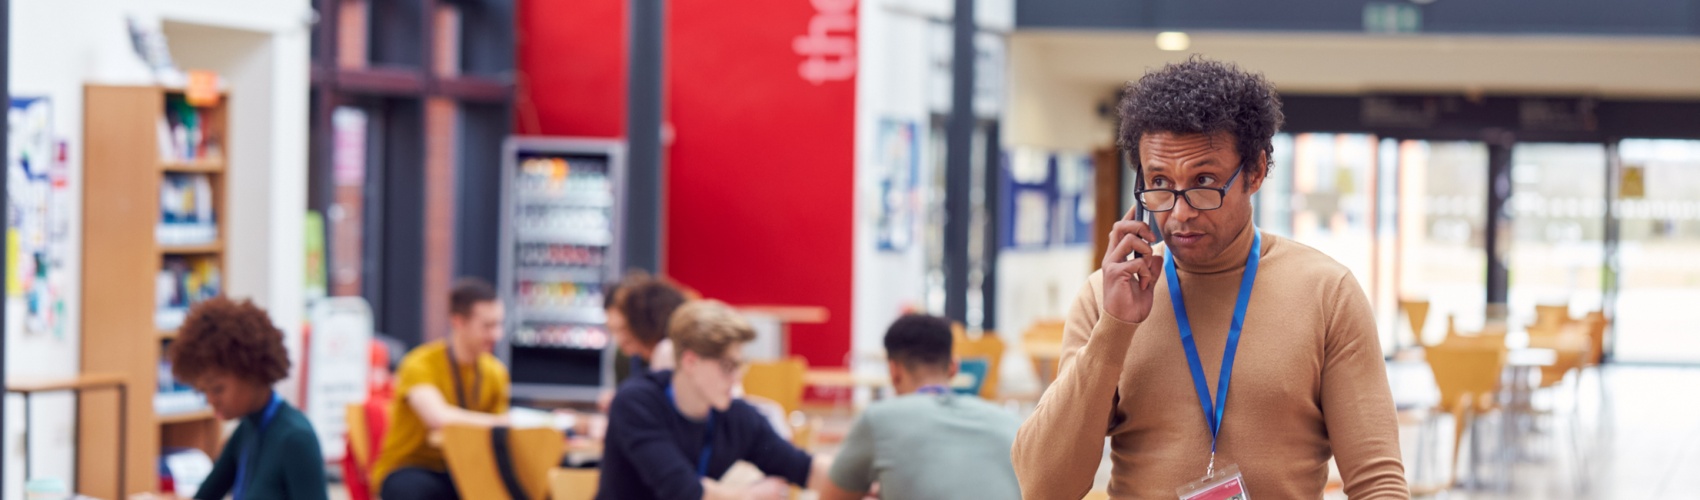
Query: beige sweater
<point>1309,383</point>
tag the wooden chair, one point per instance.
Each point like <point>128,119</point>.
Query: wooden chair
<point>780,381</point>
<point>1467,371</point>
<point>1596,330</point>
<point>987,347</point>
<point>1569,341</point>
<point>533,453</point>
<point>1416,313</point>
<point>359,437</point>
<point>1552,316</point>
<point>573,484</point>
<point>1047,334</point>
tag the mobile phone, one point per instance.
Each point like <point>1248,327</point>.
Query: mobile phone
<point>1141,214</point>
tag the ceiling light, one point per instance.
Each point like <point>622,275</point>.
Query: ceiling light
<point>1173,41</point>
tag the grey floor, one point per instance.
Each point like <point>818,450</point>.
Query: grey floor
<point>1637,437</point>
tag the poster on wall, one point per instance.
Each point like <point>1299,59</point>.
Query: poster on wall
<point>37,216</point>
<point>339,349</point>
<point>1031,187</point>
<point>1075,205</point>
<point>897,161</point>
<point>345,218</point>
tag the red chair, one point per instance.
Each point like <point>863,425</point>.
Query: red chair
<point>366,426</point>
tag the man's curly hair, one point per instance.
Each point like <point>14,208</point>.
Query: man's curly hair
<point>238,338</point>
<point>1201,96</point>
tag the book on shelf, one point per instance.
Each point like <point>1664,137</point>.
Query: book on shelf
<point>186,211</point>
<point>172,397</point>
<point>182,134</point>
<point>183,282</point>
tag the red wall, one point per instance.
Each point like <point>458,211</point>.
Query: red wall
<point>572,68</point>
<point>760,170</point>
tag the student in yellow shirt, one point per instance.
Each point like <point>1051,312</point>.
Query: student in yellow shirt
<point>456,381</point>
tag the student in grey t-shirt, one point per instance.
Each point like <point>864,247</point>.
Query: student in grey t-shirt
<point>928,442</point>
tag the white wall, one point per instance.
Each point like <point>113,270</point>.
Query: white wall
<point>898,81</point>
<point>57,47</point>
<point>892,85</point>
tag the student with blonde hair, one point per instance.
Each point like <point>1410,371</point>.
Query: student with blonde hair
<point>672,434</point>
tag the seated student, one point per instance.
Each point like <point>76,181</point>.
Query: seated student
<point>671,434</point>
<point>638,310</point>
<point>928,442</point>
<point>232,353</point>
<point>456,381</point>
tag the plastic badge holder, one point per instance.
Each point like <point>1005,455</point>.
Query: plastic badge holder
<point>1224,484</point>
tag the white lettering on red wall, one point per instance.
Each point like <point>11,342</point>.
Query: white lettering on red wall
<point>829,47</point>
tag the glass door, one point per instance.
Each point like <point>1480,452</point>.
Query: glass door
<point>1558,228</point>
<point>1442,231</point>
<point>1656,205</point>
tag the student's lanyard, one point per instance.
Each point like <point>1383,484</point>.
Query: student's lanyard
<point>1213,413</point>
<point>252,447</point>
<point>934,389</point>
<point>707,436</point>
<point>460,391</point>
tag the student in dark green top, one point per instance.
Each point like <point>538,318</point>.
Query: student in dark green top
<point>231,352</point>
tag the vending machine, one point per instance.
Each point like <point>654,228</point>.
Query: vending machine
<point>562,214</point>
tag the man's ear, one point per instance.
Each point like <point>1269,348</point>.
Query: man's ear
<point>1255,174</point>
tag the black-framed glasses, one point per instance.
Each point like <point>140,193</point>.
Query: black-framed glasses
<point>1200,198</point>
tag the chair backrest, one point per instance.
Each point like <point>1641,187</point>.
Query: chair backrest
<point>1465,369</point>
<point>781,381</point>
<point>1570,344</point>
<point>1046,330</point>
<point>1043,332</point>
<point>989,348</point>
<point>1416,313</point>
<point>573,484</point>
<point>359,438</point>
<point>1596,322</point>
<point>473,461</point>
<point>1552,316</point>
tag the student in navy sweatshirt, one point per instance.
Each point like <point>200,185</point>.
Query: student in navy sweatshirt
<point>672,434</point>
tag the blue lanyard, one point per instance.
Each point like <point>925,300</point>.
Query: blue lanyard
<point>934,389</point>
<point>251,447</point>
<point>707,436</point>
<point>1213,413</point>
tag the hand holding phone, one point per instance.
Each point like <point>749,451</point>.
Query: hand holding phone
<point>1131,269</point>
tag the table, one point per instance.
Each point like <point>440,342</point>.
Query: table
<point>75,386</point>
<point>786,316</point>
<point>840,377</point>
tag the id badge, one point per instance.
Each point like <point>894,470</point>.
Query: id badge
<point>1221,484</point>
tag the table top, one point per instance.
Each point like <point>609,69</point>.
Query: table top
<point>788,314</point>
<point>79,382</point>
<point>839,377</point>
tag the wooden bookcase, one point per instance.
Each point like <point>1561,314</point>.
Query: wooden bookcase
<point>123,171</point>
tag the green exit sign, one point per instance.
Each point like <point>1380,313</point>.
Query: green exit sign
<point>1392,17</point>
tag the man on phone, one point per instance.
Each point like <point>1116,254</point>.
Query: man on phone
<point>1225,361</point>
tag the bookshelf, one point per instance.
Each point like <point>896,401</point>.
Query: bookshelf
<point>154,225</point>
